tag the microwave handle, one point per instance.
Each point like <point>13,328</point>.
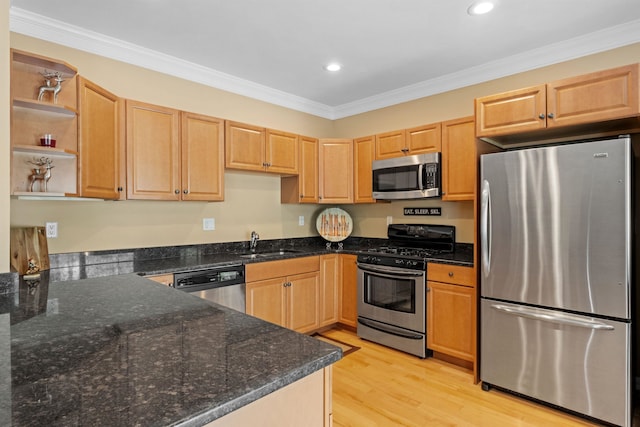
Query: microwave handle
<point>421,176</point>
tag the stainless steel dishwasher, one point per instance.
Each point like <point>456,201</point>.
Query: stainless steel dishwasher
<point>223,285</point>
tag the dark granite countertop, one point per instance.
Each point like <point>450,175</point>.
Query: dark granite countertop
<point>153,261</point>
<point>123,350</point>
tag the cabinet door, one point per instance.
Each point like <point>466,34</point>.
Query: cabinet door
<point>302,307</point>
<point>101,142</point>
<point>335,157</point>
<point>363,155</point>
<point>595,97</point>
<point>153,152</point>
<point>266,300</point>
<point>451,319</point>
<point>244,146</point>
<point>424,139</point>
<point>308,177</point>
<point>348,307</point>
<point>459,160</point>
<point>202,145</point>
<point>329,283</point>
<point>281,152</point>
<point>391,144</point>
<point>511,112</point>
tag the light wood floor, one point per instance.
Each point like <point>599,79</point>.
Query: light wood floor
<point>378,386</point>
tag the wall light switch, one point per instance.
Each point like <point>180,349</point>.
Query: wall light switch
<point>208,224</point>
<point>52,230</point>
<point>389,220</point>
<point>301,220</point>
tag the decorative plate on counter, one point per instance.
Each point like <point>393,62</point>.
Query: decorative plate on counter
<point>334,224</point>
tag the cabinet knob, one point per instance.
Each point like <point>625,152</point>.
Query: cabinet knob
<point>451,274</point>
<point>120,189</point>
<point>550,115</point>
<point>185,191</point>
<point>177,191</point>
<point>541,116</point>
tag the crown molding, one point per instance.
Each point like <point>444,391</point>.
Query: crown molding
<point>39,26</point>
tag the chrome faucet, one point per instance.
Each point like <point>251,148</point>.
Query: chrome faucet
<point>253,244</point>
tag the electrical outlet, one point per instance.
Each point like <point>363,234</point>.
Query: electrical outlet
<point>52,230</point>
<point>208,224</point>
<point>301,220</point>
<point>389,220</point>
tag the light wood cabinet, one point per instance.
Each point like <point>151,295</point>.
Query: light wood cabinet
<point>32,118</point>
<point>285,292</point>
<point>335,174</point>
<point>407,142</point>
<point>459,159</point>
<point>101,142</point>
<point>255,148</point>
<point>348,291</point>
<point>306,402</point>
<point>329,284</point>
<point>363,156</point>
<point>153,152</point>
<point>451,311</point>
<point>424,139</point>
<point>173,155</point>
<point>202,157</point>
<point>302,188</point>
<point>595,97</point>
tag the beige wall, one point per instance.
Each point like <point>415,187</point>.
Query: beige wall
<point>5,154</point>
<point>251,200</point>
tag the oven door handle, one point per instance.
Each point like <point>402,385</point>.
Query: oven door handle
<point>389,329</point>
<point>391,273</point>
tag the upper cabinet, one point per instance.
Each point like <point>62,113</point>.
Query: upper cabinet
<point>459,160</point>
<point>254,148</point>
<point>568,103</point>
<point>44,101</point>
<point>202,157</point>
<point>363,155</point>
<point>302,188</point>
<point>335,175</point>
<point>173,155</point>
<point>101,142</point>
<point>153,152</point>
<point>406,142</point>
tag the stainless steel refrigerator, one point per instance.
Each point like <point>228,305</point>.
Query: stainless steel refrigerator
<point>556,239</point>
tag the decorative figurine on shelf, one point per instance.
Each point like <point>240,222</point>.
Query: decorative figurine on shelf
<point>48,77</point>
<point>41,173</point>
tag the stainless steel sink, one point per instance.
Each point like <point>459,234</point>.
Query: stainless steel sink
<point>268,254</point>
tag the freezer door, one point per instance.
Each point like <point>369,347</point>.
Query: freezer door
<point>579,363</point>
<point>555,226</point>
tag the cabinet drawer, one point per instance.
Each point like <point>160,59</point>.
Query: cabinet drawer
<point>281,268</point>
<point>451,274</point>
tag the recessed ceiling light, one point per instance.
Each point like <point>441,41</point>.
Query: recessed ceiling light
<point>333,67</point>
<point>480,8</point>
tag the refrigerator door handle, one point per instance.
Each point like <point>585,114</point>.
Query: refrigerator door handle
<point>562,319</point>
<point>485,227</point>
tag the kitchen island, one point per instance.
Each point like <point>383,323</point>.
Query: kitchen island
<point>123,350</point>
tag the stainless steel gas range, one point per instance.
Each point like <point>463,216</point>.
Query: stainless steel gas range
<point>391,286</point>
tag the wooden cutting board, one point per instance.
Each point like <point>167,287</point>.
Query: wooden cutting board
<point>29,243</point>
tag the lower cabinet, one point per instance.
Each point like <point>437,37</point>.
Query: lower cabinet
<point>348,291</point>
<point>285,292</point>
<point>165,279</point>
<point>451,311</point>
<point>306,402</point>
<point>329,284</point>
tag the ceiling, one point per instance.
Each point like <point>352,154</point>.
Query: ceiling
<point>392,51</point>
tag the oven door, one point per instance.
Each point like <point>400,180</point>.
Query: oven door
<point>391,295</point>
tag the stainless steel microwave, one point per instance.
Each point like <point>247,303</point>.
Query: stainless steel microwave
<point>409,177</point>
